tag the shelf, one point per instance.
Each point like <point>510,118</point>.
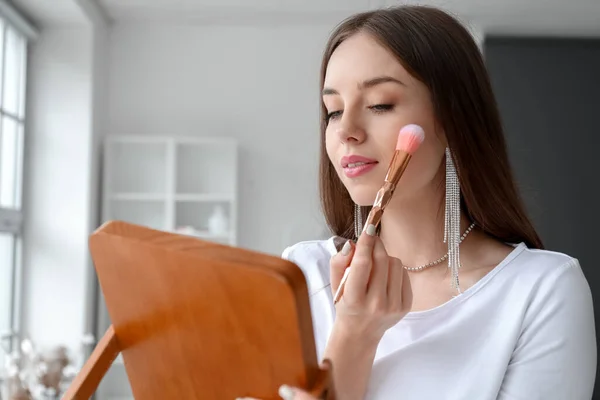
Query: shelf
<point>173,184</point>
<point>137,139</point>
<point>200,197</point>
<point>204,234</point>
<point>204,197</point>
<point>197,214</point>
<point>138,196</point>
<point>208,235</point>
<point>192,197</point>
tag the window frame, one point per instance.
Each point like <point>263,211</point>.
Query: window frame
<point>11,218</point>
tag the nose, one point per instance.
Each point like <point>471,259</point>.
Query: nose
<point>351,132</point>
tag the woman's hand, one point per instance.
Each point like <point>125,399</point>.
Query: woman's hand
<point>376,296</point>
<point>323,386</point>
<point>377,292</point>
<point>291,393</point>
<point>288,393</point>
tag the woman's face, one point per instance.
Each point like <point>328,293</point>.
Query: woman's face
<point>369,97</point>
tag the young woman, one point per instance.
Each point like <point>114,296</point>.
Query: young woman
<point>520,325</point>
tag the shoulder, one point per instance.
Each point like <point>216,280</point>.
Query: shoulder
<point>312,257</point>
<point>548,279</point>
<point>537,266</point>
<point>310,250</point>
<point>557,327</point>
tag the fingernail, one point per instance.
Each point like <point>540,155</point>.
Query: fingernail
<point>371,230</point>
<point>346,249</point>
<point>286,392</point>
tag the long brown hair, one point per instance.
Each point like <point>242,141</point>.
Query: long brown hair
<point>436,49</point>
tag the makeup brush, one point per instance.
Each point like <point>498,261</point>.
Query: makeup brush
<point>409,139</point>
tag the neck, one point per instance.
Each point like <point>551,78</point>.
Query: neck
<point>412,229</point>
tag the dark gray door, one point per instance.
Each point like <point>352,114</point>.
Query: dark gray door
<point>548,92</point>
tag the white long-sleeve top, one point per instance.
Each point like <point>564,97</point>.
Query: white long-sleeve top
<point>524,331</point>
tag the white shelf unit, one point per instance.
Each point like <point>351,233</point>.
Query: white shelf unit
<point>166,183</point>
<point>172,183</point>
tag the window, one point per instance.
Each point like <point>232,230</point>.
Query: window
<point>13,46</point>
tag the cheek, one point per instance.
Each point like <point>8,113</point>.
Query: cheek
<point>425,166</point>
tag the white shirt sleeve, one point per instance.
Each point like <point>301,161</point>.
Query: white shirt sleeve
<point>310,270</point>
<point>555,356</point>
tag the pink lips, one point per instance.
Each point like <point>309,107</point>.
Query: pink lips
<point>357,165</point>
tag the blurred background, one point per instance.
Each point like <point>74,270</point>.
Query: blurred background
<point>201,117</point>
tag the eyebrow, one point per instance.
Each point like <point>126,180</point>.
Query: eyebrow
<point>366,84</point>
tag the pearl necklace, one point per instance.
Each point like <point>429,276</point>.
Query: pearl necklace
<point>439,260</point>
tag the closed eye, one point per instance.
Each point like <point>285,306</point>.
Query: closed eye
<point>333,115</point>
<point>382,107</point>
<point>378,108</point>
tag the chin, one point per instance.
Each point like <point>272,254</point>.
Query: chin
<point>363,194</point>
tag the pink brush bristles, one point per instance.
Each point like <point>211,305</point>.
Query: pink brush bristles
<point>410,138</point>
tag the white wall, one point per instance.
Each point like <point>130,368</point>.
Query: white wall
<point>57,186</point>
<point>258,85</point>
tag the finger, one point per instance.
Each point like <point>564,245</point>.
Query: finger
<point>378,282</point>
<point>395,282</point>
<point>338,264</point>
<point>407,296</point>
<point>291,393</point>
<point>361,264</point>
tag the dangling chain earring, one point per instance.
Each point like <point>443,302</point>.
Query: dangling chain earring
<point>452,234</point>
<point>358,221</point>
